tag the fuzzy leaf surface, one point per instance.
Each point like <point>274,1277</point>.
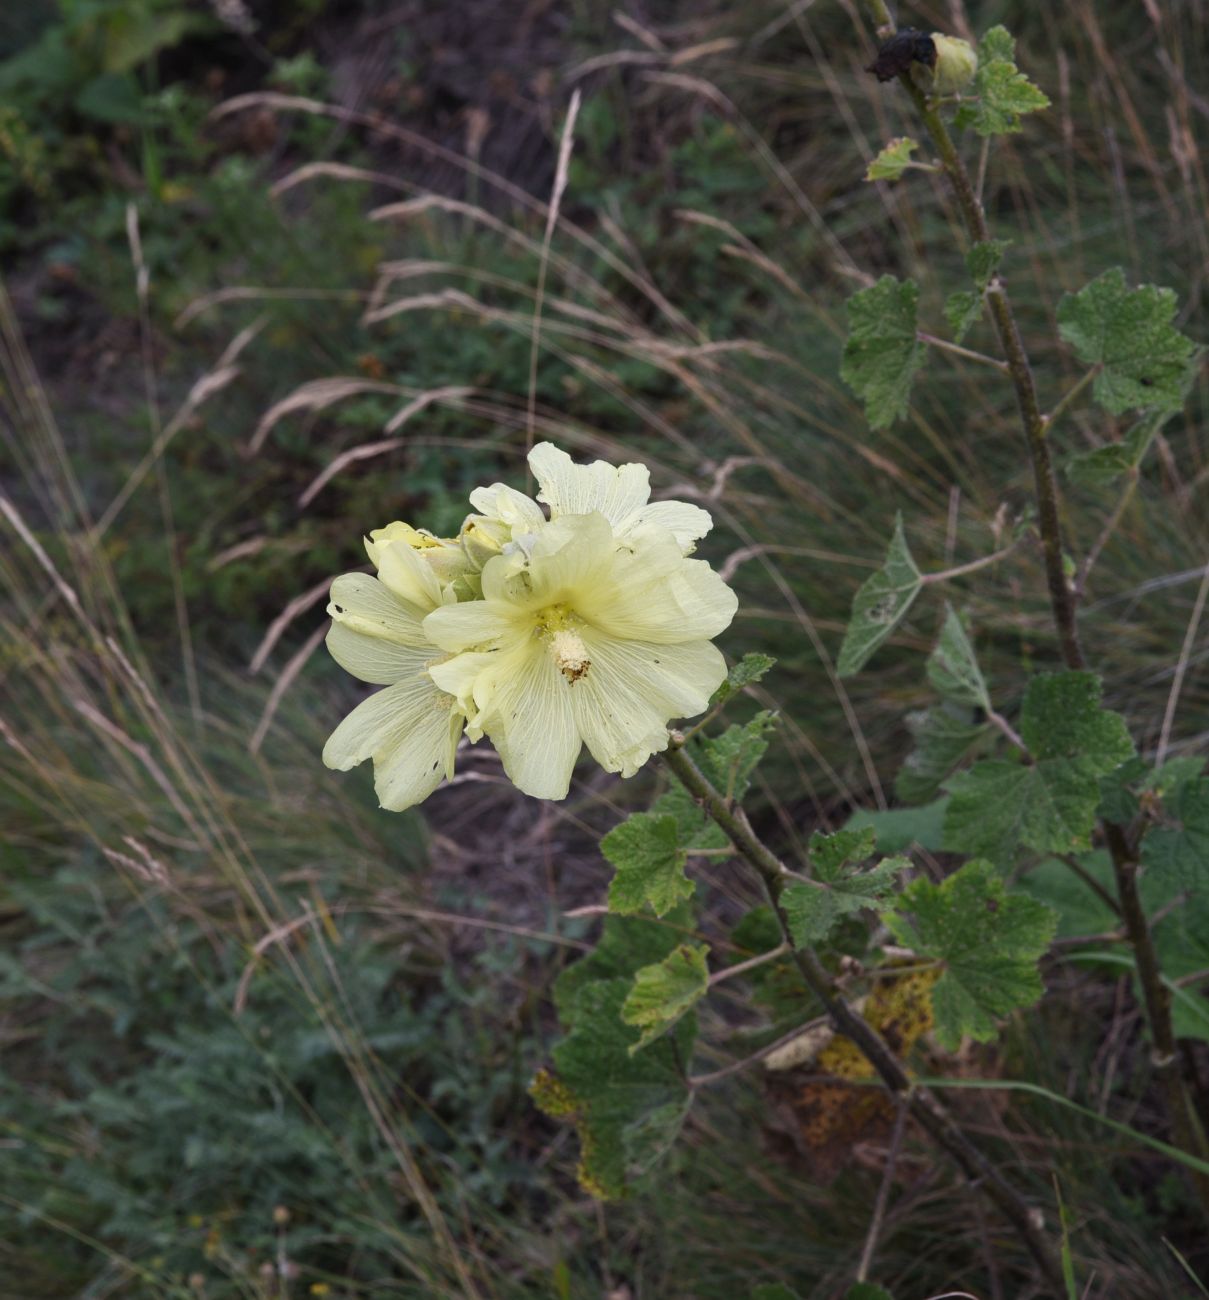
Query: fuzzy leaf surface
<point>1180,851</point>
<point>988,942</point>
<point>728,760</point>
<point>664,992</point>
<point>749,669</point>
<point>626,1107</point>
<point>883,353</point>
<point>1145,361</point>
<point>962,309</point>
<point>626,944</point>
<point>841,890</point>
<point>1049,805</point>
<point>649,863</point>
<point>880,604</point>
<point>893,160</point>
<point>945,736</point>
<point>1003,93</point>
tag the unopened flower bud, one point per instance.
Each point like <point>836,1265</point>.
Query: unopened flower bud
<point>956,64</point>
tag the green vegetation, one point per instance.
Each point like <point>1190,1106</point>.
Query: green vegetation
<point>262,1039</point>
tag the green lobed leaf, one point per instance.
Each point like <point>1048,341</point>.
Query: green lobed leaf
<point>1003,93</point>
<point>813,910</point>
<point>883,353</point>
<point>962,311</point>
<point>1048,805</point>
<point>953,667</point>
<point>830,854</point>
<point>988,942</point>
<point>880,604</point>
<point>965,307</point>
<point>728,760</point>
<point>773,1291</point>
<point>893,160</point>
<point>664,992</point>
<point>649,862</point>
<point>945,736</point>
<point>626,944</point>
<point>1145,361</point>
<point>749,669</point>
<point>626,1107</point>
<point>1106,464</point>
<point>1179,848</point>
<point>898,829</point>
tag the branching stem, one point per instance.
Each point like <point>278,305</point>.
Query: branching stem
<point>1184,1121</point>
<point>926,1109</point>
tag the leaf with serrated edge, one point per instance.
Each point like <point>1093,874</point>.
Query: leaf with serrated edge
<point>815,909</point>
<point>664,992</point>
<point>728,762</point>
<point>883,352</point>
<point>881,604</point>
<point>746,672</point>
<point>944,738</point>
<point>649,862</point>
<point>611,1095</point>
<point>1145,361</point>
<point>893,160</point>
<point>838,888</point>
<point>1002,92</point>
<point>1182,851</point>
<point>1049,805</point>
<point>988,942</point>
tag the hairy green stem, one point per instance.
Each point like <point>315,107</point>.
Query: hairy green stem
<point>927,1110</point>
<point>1063,602</point>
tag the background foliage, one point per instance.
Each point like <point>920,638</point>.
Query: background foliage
<point>261,1039</point>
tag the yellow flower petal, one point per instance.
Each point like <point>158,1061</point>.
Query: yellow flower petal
<point>410,730</point>
<point>372,658</point>
<point>365,605</point>
<point>632,689</point>
<point>570,489</point>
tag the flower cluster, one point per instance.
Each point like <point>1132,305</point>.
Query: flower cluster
<point>545,633</point>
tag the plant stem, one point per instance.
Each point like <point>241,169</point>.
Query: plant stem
<point>1185,1126</point>
<point>943,575</point>
<point>927,1110</point>
<point>958,351</point>
<point>1071,398</point>
<point>1044,481</point>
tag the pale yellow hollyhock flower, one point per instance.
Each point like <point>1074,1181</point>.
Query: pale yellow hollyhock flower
<point>410,729</point>
<point>622,493</point>
<point>580,639</point>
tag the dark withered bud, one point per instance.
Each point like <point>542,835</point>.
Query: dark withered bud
<point>904,48</point>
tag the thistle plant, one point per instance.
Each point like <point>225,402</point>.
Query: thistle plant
<point>587,623</point>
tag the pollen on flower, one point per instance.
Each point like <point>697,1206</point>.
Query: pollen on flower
<point>558,626</point>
